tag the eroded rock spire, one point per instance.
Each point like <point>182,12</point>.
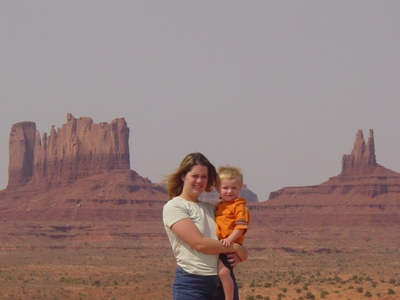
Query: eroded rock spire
<point>78,149</point>
<point>362,158</point>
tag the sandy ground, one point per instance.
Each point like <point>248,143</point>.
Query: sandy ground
<point>134,261</point>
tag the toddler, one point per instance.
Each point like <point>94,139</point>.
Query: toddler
<point>232,217</point>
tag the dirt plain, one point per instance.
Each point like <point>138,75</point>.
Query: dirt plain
<point>133,260</point>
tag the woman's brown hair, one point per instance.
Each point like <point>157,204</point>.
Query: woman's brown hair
<point>174,180</point>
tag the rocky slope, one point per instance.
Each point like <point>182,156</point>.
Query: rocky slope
<point>361,179</point>
<point>47,199</point>
<point>78,172</point>
<point>79,166</point>
<point>85,175</point>
<point>363,201</point>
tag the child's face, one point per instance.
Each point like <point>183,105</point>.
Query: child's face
<point>230,189</point>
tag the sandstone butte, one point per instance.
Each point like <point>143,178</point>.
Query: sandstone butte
<point>76,172</point>
<point>81,171</point>
<point>362,180</point>
<point>364,195</point>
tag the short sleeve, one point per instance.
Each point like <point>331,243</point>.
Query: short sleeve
<point>242,216</point>
<point>173,212</point>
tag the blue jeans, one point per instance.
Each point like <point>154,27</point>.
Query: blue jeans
<point>196,287</point>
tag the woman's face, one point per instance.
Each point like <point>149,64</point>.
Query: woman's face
<point>194,182</point>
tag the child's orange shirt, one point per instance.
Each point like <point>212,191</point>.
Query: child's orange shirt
<point>231,215</point>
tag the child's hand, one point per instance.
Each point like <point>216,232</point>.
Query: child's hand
<point>225,242</point>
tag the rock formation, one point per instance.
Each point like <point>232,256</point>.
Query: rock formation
<point>361,175</point>
<point>78,149</point>
<point>80,170</point>
<point>362,160</point>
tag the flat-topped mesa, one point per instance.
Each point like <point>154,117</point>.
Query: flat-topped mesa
<point>362,159</point>
<point>78,149</point>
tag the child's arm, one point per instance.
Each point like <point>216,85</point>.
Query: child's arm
<point>232,237</point>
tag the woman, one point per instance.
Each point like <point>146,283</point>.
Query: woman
<point>191,230</point>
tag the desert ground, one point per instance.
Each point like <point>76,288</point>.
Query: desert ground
<point>133,260</point>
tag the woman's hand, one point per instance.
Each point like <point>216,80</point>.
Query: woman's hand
<point>240,251</point>
<point>233,259</point>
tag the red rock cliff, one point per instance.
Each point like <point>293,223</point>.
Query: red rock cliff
<point>362,159</point>
<point>78,149</point>
<point>361,176</point>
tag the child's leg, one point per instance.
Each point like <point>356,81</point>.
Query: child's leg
<point>226,280</point>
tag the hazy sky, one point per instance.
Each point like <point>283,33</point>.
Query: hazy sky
<point>278,88</point>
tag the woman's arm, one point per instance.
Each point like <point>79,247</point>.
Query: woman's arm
<point>190,234</point>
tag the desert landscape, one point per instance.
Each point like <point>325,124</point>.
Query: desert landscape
<point>77,223</point>
<point>133,260</point>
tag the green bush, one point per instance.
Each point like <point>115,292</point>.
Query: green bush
<point>96,283</point>
<point>324,293</point>
<point>368,294</point>
<point>310,295</point>
<point>280,296</point>
<point>391,292</point>
<point>267,284</point>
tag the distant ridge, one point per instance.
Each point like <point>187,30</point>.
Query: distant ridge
<point>84,178</point>
<point>356,209</point>
<point>361,176</point>
<point>80,171</point>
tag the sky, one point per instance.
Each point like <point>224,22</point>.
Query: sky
<point>277,88</point>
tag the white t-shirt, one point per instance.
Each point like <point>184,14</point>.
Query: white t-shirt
<point>202,214</point>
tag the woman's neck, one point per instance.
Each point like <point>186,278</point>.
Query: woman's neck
<point>187,197</point>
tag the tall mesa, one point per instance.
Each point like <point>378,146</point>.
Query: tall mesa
<point>78,149</point>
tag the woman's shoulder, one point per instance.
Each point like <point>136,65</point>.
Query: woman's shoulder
<point>177,202</point>
<point>173,210</point>
<point>173,202</point>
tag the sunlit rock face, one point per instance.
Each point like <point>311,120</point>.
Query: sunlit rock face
<point>361,175</point>
<point>362,160</point>
<point>78,149</point>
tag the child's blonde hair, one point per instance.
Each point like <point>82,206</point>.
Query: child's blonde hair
<point>229,172</point>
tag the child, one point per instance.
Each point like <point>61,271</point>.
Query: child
<point>232,217</point>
